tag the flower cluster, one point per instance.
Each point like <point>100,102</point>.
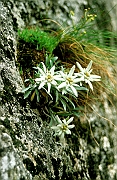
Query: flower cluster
<point>60,83</point>
<point>65,82</point>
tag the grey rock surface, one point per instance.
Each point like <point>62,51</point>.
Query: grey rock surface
<point>28,150</point>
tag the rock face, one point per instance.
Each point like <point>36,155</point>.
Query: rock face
<point>28,149</point>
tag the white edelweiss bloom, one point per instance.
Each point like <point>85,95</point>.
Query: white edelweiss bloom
<point>85,73</point>
<point>70,81</point>
<point>63,127</point>
<point>47,77</point>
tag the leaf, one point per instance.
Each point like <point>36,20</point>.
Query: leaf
<point>76,114</point>
<point>53,120</point>
<point>81,88</point>
<point>34,86</point>
<point>27,94</point>
<point>31,81</point>
<point>64,104</point>
<point>32,96</point>
<point>57,96</point>
<point>26,89</point>
<point>64,113</point>
<point>37,93</point>
<point>70,101</point>
<point>54,58</point>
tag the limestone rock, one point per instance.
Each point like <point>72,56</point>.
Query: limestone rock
<point>28,149</point>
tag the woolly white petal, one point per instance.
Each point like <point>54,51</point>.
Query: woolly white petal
<point>76,80</point>
<point>68,131</point>
<point>62,136</point>
<point>41,71</point>
<point>59,78</point>
<point>62,85</point>
<point>79,66</point>
<point>60,133</point>
<point>71,126</point>
<point>64,91</point>
<point>44,67</point>
<point>55,128</point>
<point>41,85</point>
<point>58,119</point>
<point>74,91</point>
<point>63,74</point>
<point>95,77</point>
<point>64,121</point>
<point>52,70</point>
<point>70,120</point>
<point>89,66</point>
<point>49,87</point>
<point>90,85</point>
<point>39,79</point>
<point>71,71</point>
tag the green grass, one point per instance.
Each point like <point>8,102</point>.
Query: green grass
<point>39,38</point>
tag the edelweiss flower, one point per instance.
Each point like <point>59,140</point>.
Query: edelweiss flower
<point>63,127</point>
<point>86,74</point>
<point>69,82</point>
<point>47,77</point>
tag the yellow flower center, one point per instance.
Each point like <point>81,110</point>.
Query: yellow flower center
<point>49,77</point>
<point>87,74</point>
<point>69,80</point>
<point>64,127</point>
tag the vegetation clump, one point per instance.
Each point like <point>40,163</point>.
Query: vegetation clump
<point>39,38</point>
<point>65,74</point>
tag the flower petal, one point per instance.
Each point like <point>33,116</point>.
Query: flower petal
<point>64,91</point>
<point>41,84</point>
<point>76,80</point>
<point>55,128</point>
<point>71,71</point>
<point>62,136</point>
<point>90,85</point>
<point>95,77</point>
<point>60,133</point>
<point>59,78</point>
<point>54,82</point>
<point>68,131</point>
<point>71,126</point>
<point>58,119</point>
<point>79,66</point>
<point>89,66</point>
<point>44,67</point>
<point>62,85</point>
<point>49,87</point>
<point>70,120</point>
<point>63,74</point>
<point>52,70</point>
<point>64,121</point>
<point>41,71</point>
<point>74,91</point>
<point>39,79</point>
